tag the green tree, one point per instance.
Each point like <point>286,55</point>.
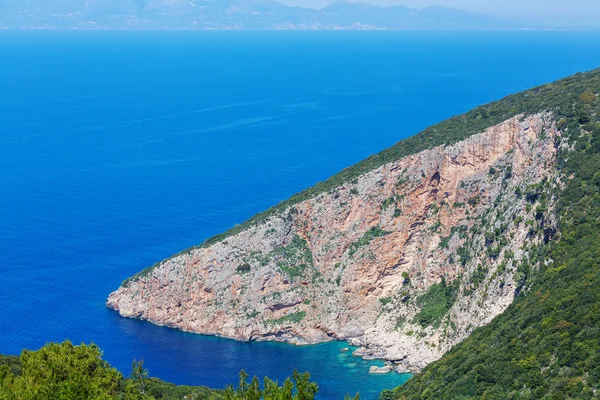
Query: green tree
<point>305,389</point>
<point>62,372</point>
<point>139,375</point>
<point>298,388</point>
<point>587,97</point>
<point>272,390</point>
<point>136,387</point>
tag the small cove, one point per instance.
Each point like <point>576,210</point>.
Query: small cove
<point>220,360</point>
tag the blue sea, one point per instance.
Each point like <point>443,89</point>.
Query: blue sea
<point>118,149</point>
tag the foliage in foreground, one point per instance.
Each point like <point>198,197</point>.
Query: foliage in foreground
<point>67,372</point>
<point>547,344</point>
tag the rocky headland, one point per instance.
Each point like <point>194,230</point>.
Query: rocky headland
<point>404,261</point>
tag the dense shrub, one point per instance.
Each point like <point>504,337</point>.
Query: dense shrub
<point>435,303</point>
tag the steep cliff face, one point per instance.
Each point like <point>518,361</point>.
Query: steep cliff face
<point>403,261</point>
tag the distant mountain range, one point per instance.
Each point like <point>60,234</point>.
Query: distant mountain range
<point>233,14</point>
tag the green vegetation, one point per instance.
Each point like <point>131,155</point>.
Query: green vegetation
<point>473,201</point>
<point>292,271</point>
<point>460,229</point>
<point>294,318</point>
<point>10,364</point>
<point>463,254</point>
<point>435,303</point>
<point>385,301</point>
<point>547,343</point>
<point>388,203</point>
<point>67,372</point>
<point>244,268</point>
<point>444,242</point>
<point>477,278</point>
<point>400,321</point>
<point>298,388</point>
<point>406,278</point>
<point>61,371</point>
<point>367,238</point>
<point>294,258</point>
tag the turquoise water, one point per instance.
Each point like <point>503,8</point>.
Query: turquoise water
<point>118,149</point>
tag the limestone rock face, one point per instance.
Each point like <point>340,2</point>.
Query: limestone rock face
<point>404,261</point>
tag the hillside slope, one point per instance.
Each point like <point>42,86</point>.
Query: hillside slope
<point>547,344</point>
<point>403,254</point>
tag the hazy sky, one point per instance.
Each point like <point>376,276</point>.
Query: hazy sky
<point>569,13</point>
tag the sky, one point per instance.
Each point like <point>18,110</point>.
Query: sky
<point>559,13</point>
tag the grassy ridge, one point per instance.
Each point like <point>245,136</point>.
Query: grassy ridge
<point>547,344</point>
<point>450,131</point>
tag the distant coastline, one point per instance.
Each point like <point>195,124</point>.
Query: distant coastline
<point>241,15</point>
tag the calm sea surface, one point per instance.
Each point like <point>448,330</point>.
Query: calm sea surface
<point>120,149</point>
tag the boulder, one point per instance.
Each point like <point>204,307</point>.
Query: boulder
<point>380,370</point>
